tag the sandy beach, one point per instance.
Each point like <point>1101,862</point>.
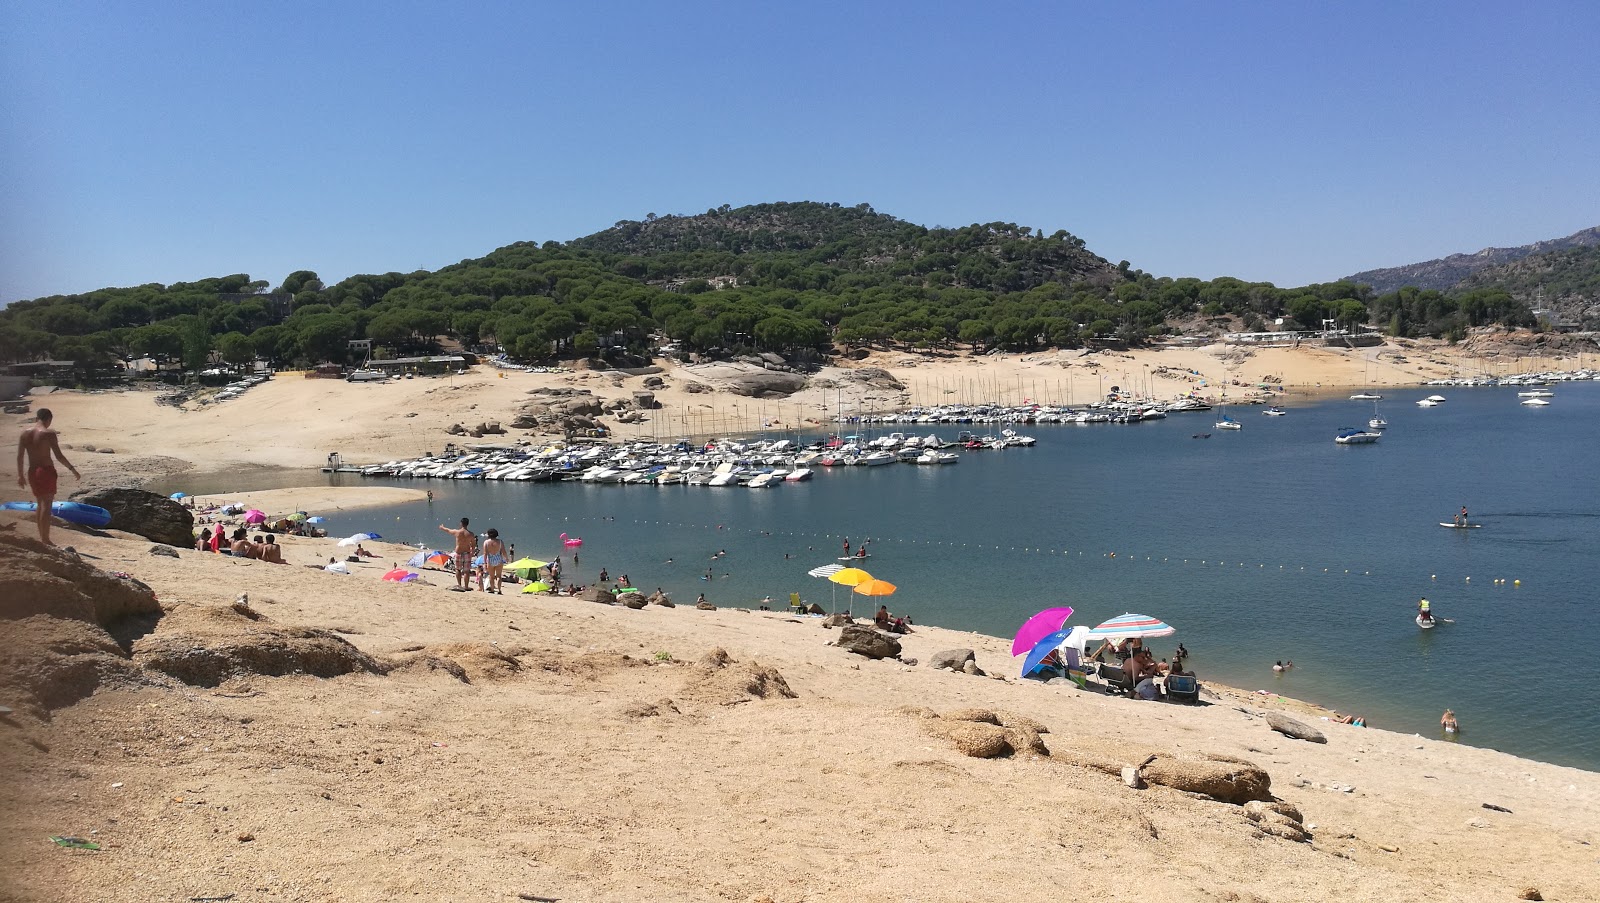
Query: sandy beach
<point>535,747</point>
<point>295,423</point>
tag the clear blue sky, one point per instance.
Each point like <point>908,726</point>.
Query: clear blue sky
<point>1282,141</point>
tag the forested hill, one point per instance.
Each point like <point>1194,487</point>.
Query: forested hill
<point>797,278</point>
<point>1448,272</point>
<point>1565,282</point>
<point>808,245</point>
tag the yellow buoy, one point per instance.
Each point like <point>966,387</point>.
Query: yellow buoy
<point>1516,583</point>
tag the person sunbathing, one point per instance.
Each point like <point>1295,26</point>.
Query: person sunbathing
<point>271,551</point>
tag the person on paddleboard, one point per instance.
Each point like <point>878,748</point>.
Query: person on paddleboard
<point>1461,519</point>
<point>1424,611</point>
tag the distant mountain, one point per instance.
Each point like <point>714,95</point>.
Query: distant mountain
<point>1447,272</point>
<point>1564,282</point>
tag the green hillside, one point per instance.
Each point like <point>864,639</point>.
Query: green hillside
<point>797,278</point>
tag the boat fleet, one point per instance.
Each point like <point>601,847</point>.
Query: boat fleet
<point>756,464</point>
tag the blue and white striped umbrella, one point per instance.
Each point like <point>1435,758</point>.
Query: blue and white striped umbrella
<point>826,570</point>
<point>1131,625</point>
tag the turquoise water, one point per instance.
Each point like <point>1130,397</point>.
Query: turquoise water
<point>1264,544</point>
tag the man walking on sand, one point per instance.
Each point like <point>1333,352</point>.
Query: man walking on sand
<point>39,443</point>
<point>466,544</point>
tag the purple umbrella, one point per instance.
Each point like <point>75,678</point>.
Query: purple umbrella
<point>1038,627</point>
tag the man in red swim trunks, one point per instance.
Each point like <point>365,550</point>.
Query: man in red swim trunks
<point>39,443</point>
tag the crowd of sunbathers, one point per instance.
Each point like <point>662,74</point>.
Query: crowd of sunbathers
<point>240,545</point>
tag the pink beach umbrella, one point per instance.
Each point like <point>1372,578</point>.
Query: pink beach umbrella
<point>570,543</point>
<point>1038,627</point>
<point>255,516</point>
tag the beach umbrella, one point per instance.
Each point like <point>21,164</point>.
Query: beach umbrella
<point>525,568</point>
<point>1047,644</point>
<point>874,588</point>
<point>255,516</point>
<point>537,587</point>
<point>338,567</point>
<point>1045,622</point>
<point>178,495</point>
<point>430,558</point>
<point>399,575</point>
<point>849,576</point>
<point>319,519</point>
<point>358,538</point>
<point>828,570</point>
<point>297,516</point>
<point>1131,625</point>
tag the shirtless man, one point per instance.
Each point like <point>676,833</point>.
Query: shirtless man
<point>39,443</point>
<point>466,544</point>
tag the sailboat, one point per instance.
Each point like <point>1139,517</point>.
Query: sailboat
<point>1366,394</point>
<point>1225,422</point>
<point>1377,423</point>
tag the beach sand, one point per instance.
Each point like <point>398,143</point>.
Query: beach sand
<point>293,422</point>
<point>548,748</point>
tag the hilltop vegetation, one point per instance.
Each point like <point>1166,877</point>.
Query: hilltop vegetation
<point>1566,282</point>
<point>798,278</point>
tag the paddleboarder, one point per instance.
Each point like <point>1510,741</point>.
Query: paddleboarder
<point>39,445</point>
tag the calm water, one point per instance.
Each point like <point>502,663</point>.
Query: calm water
<point>1268,543</point>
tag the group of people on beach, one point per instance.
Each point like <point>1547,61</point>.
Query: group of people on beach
<point>240,545</point>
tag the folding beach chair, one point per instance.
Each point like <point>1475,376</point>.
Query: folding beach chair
<point>795,605</point>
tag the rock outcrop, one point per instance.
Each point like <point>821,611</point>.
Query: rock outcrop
<point>1289,727</point>
<point>954,659</point>
<point>868,642</point>
<point>204,645</point>
<point>155,517</point>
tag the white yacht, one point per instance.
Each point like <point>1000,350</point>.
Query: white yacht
<point>1356,437</point>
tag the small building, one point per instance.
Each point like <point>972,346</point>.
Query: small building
<point>425,365</point>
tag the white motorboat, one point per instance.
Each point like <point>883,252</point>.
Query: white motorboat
<point>938,457</point>
<point>1536,393</point>
<point>878,457</point>
<point>1365,396</point>
<point>1436,399</point>
<point>1356,437</point>
<point>1427,403</point>
<point>1535,402</point>
<point>1274,411</point>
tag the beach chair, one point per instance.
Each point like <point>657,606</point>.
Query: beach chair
<point>795,605</point>
<point>1182,688</point>
<point>1116,680</point>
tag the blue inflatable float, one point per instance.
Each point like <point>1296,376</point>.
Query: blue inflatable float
<point>72,512</point>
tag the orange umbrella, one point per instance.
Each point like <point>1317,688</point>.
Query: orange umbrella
<point>875,588</point>
<point>849,577</point>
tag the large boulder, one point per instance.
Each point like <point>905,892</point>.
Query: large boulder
<point>598,594</point>
<point>868,642</point>
<point>766,384</point>
<point>877,377</point>
<point>155,517</point>
<point>1289,727</point>
<point>953,659</point>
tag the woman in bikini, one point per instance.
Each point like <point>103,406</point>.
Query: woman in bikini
<point>494,559</point>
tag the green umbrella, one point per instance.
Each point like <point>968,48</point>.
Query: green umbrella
<point>536,588</point>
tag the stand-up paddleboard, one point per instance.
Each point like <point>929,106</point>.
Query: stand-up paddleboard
<point>855,557</point>
<point>1460,526</point>
<point>1425,623</point>
<point>72,512</point>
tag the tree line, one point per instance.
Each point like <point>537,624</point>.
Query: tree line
<point>791,278</point>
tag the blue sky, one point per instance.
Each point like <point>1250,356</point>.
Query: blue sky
<point>1289,142</point>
